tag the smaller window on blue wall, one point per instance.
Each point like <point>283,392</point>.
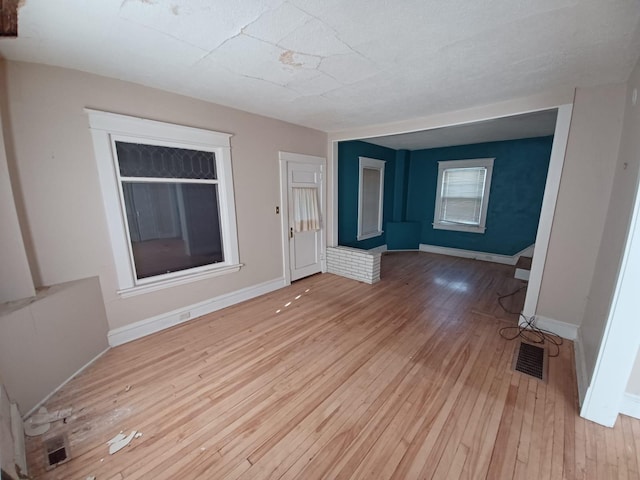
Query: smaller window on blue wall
<point>370,198</point>
<point>462,194</point>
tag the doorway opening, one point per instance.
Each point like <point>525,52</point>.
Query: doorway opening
<point>409,216</point>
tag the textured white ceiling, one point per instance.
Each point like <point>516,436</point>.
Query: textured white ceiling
<point>337,64</point>
<point>538,124</point>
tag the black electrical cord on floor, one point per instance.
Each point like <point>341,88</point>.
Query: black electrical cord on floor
<point>527,330</point>
<point>510,295</point>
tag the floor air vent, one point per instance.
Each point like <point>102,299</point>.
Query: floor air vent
<point>531,360</point>
<point>56,451</point>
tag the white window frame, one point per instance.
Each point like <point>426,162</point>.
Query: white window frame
<point>373,163</point>
<point>106,129</point>
<point>471,163</point>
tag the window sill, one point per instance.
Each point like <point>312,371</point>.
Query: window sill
<point>459,228</point>
<point>174,282</point>
<point>369,235</point>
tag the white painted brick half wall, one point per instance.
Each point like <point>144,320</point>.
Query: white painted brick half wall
<point>354,263</point>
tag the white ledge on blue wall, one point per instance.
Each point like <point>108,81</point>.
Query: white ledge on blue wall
<point>369,235</point>
<point>136,330</point>
<point>484,256</point>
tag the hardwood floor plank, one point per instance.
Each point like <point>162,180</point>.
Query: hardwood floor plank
<point>630,445</point>
<point>377,457</point>
<point>457,464</point>
<point>481,443</point>
<point>591,450</point>
<point>515,429</point>
<point>427,405</point>
<point>348,401</point>
<point>333,455</point>
<point>580,471</point>
<point>459,421</point>
<point>499,465</point>
<point>537,444</point>
<point>621,453</point>
<point>524,443</point>
<point>434,418</point>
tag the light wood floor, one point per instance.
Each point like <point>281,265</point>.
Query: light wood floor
<point>331,378</point>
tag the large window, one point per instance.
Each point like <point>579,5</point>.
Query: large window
<point>168,195</point>
<point>462,195</point>
<point>370,198</point>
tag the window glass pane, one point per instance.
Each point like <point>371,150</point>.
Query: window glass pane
<point>140,160</point>
<point>370,200</point>
<point>462,195</point>
<point>172,227</point>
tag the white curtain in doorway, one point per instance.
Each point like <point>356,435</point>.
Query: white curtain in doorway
<point>306,212</point>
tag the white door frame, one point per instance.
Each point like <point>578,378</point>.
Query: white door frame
<point>285,158</point>
<point>548,209</point>
<point>520,107</point>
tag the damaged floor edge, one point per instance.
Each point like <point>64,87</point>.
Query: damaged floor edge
<point>55,390</point>
<point>40,422</point>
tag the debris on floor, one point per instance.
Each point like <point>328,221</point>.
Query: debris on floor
<point>120,441</point>
<point>127,388</point>
<point>31,430</point>
<point>91,477</point>
<point>41,421</point>
<point>42,417</point>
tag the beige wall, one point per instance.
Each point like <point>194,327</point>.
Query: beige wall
<point>616,229</point>
<point>45,341</point>
<point>15,276</point>
<point>60,189</point>
<point>581,208</point>
<point>622,201</point>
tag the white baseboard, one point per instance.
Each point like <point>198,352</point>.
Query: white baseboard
<point>381,248</point>
<point>484,256</point>
<point>581,367</point>
<point>522,274</point>
<point>630,405</point>
<point>136,330</point>
<point>41,402</point>
<point>565,330</point>
<point>526,252</point>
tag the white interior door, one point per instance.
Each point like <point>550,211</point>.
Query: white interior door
<point>305,248</point>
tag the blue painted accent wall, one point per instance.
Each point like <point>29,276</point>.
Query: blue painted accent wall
<point>348,177</point>
<point>400,185</point>
<point>517,187</point>
<point>403,235</point>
